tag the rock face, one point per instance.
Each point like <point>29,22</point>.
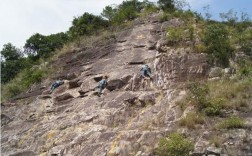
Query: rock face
<point>128,118</point>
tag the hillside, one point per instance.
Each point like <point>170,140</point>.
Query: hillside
<point>132,115</point>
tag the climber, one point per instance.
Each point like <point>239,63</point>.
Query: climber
<point>146,72</point>
<point>56,84</point>
<point>102,84</point>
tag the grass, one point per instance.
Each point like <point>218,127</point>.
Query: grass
<point>213,97</point>
<point>230,123</point>
<point>216,140</point>
<point>191,119</point>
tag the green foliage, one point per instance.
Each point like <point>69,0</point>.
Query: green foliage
<point>40,46</point>
<point>245,70</point>
<point>216,140</point>
<point>214,107</point>
<point>109,12</point>
<point>10,52</point>
<point>23,81</point>
<point>191,33</point>
<point>208,15</point>
<point>150,6</point>
<point>31,76</point>
<point>167,5</point>
<point>11,62</point>
<point>218,44</point>
<point>199,93</point>
<point>174,145</point>
<point>230,17</point>
<point>175,34</point>
<point>127,10</point>
<point>245,39</point>
<point>11,90</point>
<point>191,119</point>
<point>86,24</point>
<point>232,122</point>
<point>200,48</point>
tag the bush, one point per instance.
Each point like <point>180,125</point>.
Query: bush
<point>200,48</point>
<point>215,107</point>
<point>174,145</point>
<point>191,120</point>
<point>12,90</point>
<point>32,76</point>
<point>23,81</point>
<point>218,44</point>
<point>198,94</point>
<point>232,122</point>
<point>175,34</point>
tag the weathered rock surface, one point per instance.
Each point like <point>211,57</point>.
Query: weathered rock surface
<point>131,115</point>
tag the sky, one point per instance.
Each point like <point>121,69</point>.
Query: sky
<point>20,19</point>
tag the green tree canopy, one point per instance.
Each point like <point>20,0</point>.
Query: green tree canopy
<point>40,46</point>
<point>109,12</point>
<point>167,5</point>
<point>86,25</point>
<point>11,62</point>
<point>218,44</point>
<point>10,52</point>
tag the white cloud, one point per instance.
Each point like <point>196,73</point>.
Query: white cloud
<point>22,18</point>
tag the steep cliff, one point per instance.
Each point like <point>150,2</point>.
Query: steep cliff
<point>132,114</point>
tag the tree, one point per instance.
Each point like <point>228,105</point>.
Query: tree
<point>230,17</point>
<point>218,44</point>
<point>167,5</point>
<point>11,62</point>
<point>86,24</point>
<point>40,46</point>
<point>128,10</point>
<point>10,52</point>
<point>208,15</point>
<point>109,12</point>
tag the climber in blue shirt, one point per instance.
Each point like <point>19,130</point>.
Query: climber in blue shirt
<point>56,84</point>
<point>102,84</point>
<point>145,71</point>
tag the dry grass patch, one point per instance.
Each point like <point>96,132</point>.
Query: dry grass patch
<point>230,123</point>
<point>192,119</point>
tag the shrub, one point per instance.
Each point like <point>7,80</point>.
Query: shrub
<point>215,107</point>
<point>12,90</point>
<point>191,33</point>
<point>23,81</point>
<point>174,145</point>
<point>218,44</point>
<point>191,120</point>
<point>232,122</point>
<point>34,77</point>
<point>198,94</point>
<point>175,34</point>
<point>200,48</point>
<point>216,140</point>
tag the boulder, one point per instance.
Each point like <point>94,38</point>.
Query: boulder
<point>74,83</point>
<point>98,78</point>
<point>115,84</point>
<point>147,98</point>
<point>214,151</point>
<point>71,76</point>
<point>215,72</point>
<point>63,97</point>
